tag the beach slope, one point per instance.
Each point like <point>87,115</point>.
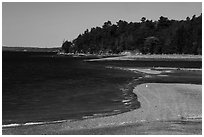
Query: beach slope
<point>165,109</point>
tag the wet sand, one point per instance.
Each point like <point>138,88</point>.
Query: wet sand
<point>165,109</point>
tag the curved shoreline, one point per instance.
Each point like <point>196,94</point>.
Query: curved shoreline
<point>129,100</point>
<point>159,102</point>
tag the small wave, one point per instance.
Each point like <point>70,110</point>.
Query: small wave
<point>116,110</point>
<point>124,101</point>
<point>168,71</point>
<point>33,123</point>
<point>11,125</point>
<point>147,76</point>
<point>86,117</point>
<point>162,75</point>
<point>103,114</point>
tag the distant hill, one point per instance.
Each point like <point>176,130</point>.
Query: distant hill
<point>30,49</point>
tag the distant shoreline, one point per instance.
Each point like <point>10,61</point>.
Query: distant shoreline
<point>156,57</point>
<point>29,49</point>
<point>109,56</point>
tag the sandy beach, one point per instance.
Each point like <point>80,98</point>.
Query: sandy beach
<point>165,109</point>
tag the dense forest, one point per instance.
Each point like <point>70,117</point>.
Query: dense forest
<point>148,37</point>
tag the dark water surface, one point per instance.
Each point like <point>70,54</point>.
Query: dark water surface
<point>40,87</point>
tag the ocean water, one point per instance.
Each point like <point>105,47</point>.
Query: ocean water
<point>44,88</point>
<point>41,87</point>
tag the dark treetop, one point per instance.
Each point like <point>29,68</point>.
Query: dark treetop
<point>154,37</point>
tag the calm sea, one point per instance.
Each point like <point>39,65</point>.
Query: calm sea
<point>43,87</point>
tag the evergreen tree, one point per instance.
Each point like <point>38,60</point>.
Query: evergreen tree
<point>162,36</point>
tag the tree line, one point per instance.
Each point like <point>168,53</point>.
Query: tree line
<point>148,37</point>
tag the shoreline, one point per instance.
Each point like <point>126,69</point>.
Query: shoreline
<point>127,89</point>
<point>159,102</point>
<point>156,57</point>
<point>153,70</point>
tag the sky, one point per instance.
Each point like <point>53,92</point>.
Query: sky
<point>48,24</point>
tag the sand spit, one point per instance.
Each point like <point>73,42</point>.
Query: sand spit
<point>141,70</point>
<point>155,70</point>
<point>145,70</point>
<point>153,57</point>
<point>160,103</point>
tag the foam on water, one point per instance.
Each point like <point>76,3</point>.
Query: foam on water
<point>33,123</point>
<point>11,125</point>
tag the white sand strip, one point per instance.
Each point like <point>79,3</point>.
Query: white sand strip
<point>152,57</point>
<point>142,70</point>
<point>155,70</point>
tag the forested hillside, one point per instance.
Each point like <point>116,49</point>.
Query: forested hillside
<point>155,37</point>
